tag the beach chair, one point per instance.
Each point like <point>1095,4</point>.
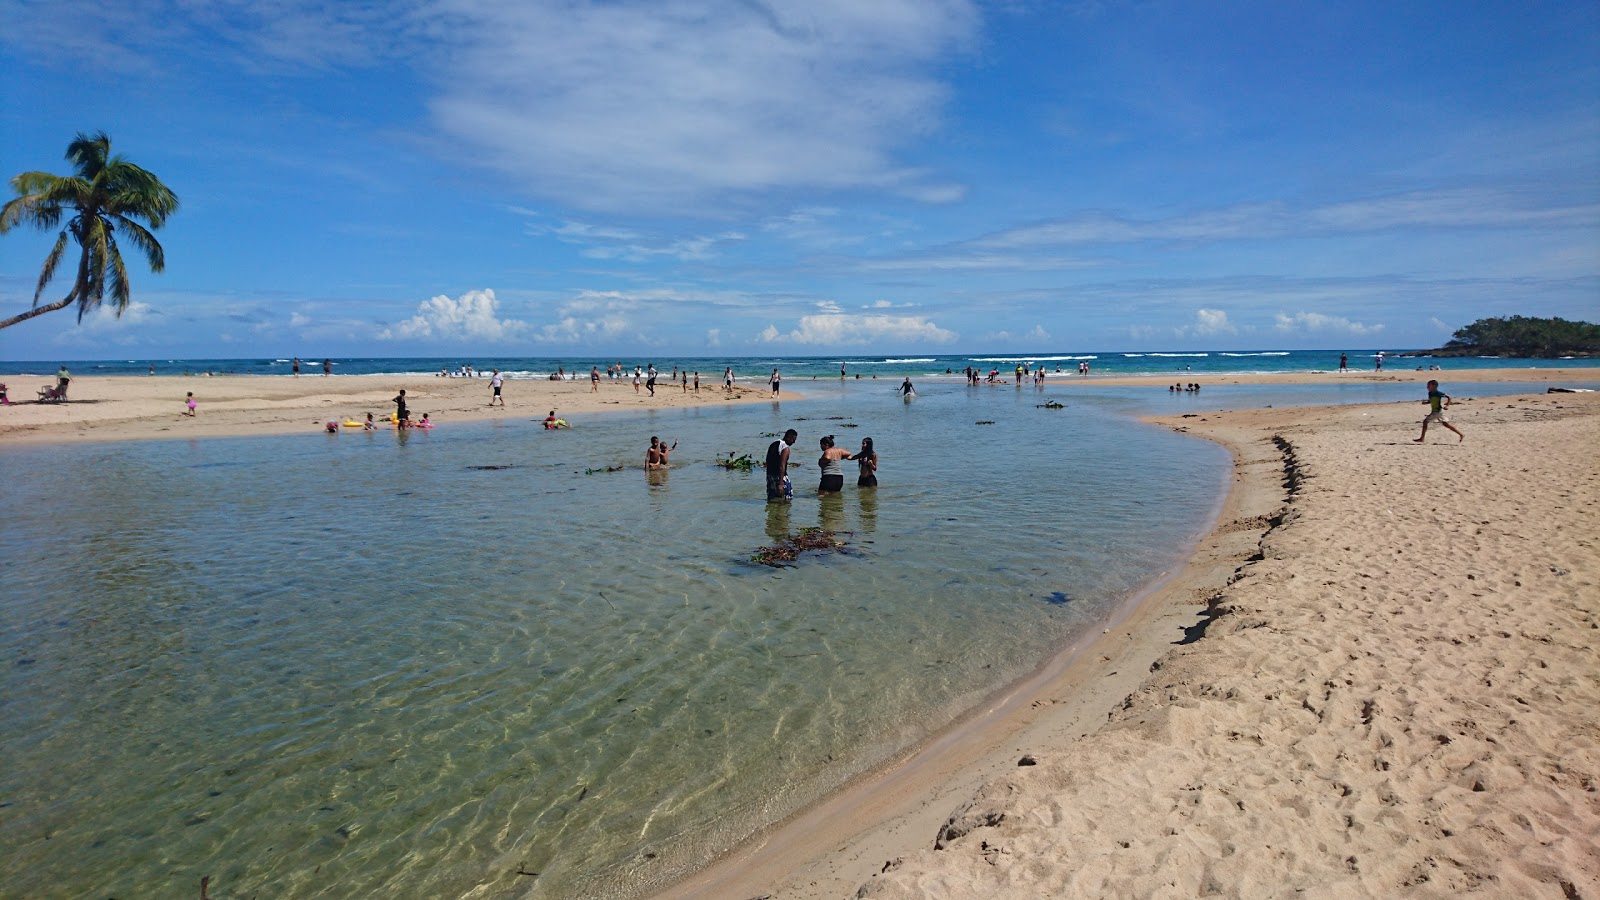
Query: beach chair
<point>51,394</point>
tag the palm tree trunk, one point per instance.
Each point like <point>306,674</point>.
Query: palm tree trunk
<point>38,311</point>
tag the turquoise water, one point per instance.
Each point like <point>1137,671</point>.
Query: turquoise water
<point>362,665</point>
<point>757,368</point>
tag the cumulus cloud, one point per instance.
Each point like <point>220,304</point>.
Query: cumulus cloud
<point>839,329</point>
<point>298,319</point>
<point>1315,322</point>
<point>1208,322</point>
<point>473,316</point>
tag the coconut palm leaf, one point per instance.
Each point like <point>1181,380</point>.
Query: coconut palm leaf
<point>105,194</point>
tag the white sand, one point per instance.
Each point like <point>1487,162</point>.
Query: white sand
<point>1399,695</point>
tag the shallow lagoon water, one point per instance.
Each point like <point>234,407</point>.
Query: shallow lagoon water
<point>351,665</point>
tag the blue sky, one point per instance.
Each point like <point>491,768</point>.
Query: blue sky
<point>748,178</point>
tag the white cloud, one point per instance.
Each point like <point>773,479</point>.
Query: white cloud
<point>105,318</point>
<point>1314,322</point>
<point>632,245</point>
<point>1208,322</point>
<point>637,105</point>
<point>714,337</point>
<point>839,329</point>
<point>298,320</point>
<point>1037,333</point>
<point>473,316</point>
<point>1459,208</point>
<point>572,330</point>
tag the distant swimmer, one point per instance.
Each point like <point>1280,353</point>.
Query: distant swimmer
<point>551,421</point>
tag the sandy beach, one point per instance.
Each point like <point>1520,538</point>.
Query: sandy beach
<point>125,408</point>
<point>1377,676</point>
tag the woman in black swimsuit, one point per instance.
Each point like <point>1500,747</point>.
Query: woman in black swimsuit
<point>867,459</point>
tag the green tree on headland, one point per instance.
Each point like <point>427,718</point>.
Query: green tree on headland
<point>1525,337</point>
<point>104,196</point>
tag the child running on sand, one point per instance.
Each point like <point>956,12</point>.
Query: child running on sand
<point>1438,402</point>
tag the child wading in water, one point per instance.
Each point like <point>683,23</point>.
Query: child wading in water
<point>1438,402</point>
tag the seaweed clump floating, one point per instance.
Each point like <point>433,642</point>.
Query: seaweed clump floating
<point>783,554</point>
<point>742,463</point>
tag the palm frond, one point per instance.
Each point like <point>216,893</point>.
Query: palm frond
<point>137,192</point>
<point>145,241</point>
<point>88,153</point>
<point>50,263</point>
<point>116,278</point>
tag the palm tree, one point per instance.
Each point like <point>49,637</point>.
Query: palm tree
<point>104,197</point>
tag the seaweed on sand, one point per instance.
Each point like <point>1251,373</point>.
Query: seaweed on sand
<point>783,554</point>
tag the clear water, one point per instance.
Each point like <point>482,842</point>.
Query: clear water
<point>354,665</point>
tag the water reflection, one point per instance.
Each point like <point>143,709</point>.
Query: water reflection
<point>830,512</point>
<point>869,509</point>
<point>777,521</point>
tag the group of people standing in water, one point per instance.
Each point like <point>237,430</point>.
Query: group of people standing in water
<point>780,488</point>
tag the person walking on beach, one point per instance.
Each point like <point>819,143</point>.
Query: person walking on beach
<point>402,415</point>
<point>1344,362</point>
<point>697,382</point>
<point>1438,402</point>
<point>636,379</point>
<point>594,379</point>
<point>727,379</point>
<point>867,459</point>
<point>327,368</point>
<point>777,383</point>
<point>779,488</point>
<point>297,367</point>
<point>650,381</point>
<point>189,402</point>
<point>496,381</point>
<point>63,378</point>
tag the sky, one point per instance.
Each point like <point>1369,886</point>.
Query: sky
<point>748,178</point>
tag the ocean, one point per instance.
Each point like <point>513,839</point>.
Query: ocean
<point>757,368</point>
<point>476,661</point>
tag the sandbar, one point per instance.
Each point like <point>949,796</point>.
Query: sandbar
<point>134,407</point>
